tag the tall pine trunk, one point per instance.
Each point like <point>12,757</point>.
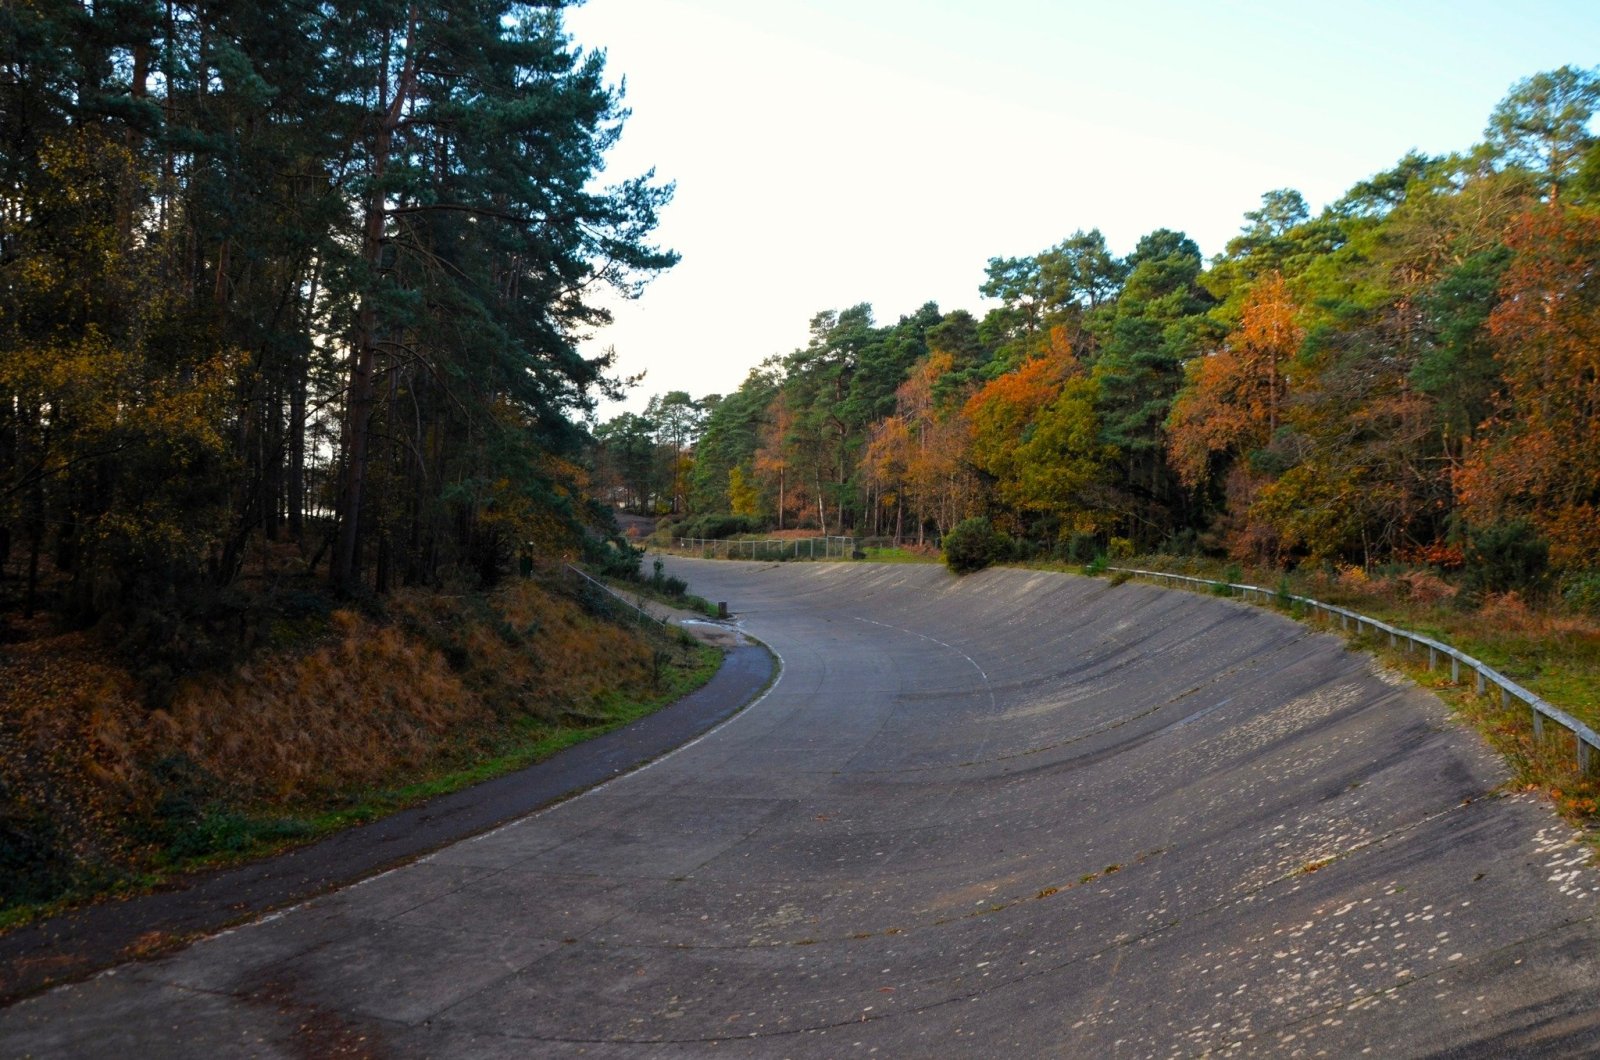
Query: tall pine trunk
<point>361,396</point>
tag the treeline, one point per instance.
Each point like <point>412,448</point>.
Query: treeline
<point>1412,374</point>
<point>308,273</point>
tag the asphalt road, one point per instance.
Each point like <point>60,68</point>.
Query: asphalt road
<point>1015,814</point>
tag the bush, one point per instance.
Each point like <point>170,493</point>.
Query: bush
<point>1506,557</point>
<point>1182,543</point>
<point>613,558</point>
<point>713,525</point>
<point>1077,548</point>
<point>1120,548</point>
<point>1581,591</point>
<point>973,545</point>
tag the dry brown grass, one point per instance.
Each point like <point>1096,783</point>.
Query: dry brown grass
<point>375,699</point>
<point>791,535</point>
<point>368,700</point>
<point>367,703</point>
<point>66,740</point>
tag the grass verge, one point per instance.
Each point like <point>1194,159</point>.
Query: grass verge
<point>903,554</point>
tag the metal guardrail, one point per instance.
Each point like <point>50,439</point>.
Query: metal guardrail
<point>644,616</point>
<point>1588,740</point>
<point>771,548</point>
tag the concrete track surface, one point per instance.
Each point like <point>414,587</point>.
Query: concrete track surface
<point>1014,814</point>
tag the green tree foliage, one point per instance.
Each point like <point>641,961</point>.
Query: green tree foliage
<point>728,443</point>
<point>1457,369</point>
<point>309,272</point>
<point>1542,126</point>
<point>1386,377</point>
<point>1155,325</point>
<point>627,470</point>
<point>678,419</point>
<point>1062,462</point>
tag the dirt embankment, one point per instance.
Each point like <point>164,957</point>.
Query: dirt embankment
<point>98,788</point>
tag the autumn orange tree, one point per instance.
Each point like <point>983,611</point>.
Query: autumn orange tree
<point>1235,397</point>
<point>1232,406</point>
<point>1037,440</point>
<point>774,465</point>
<point>885,468</point>
<point>1539,459</point>
<point>917,459</point>
<point>1002,412</point>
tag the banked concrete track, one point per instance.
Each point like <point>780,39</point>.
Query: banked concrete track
<point>1015,814</point>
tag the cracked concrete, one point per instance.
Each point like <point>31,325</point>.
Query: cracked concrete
<point>1010,814</point>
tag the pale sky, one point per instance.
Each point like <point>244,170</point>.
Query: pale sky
<point>831,152</point>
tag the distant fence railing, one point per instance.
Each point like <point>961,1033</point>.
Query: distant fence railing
<point>770,548</point>
<point>1588,740</point>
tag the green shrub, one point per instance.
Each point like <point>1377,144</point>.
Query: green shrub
<point>1505,557</point>
<point>713,525</point>
<point>1182,543</point>
<point>974,544</point>
<point>1077,548</point>
<point>1581,591</point>
<point>613,558</point>
<point>1119,548</point>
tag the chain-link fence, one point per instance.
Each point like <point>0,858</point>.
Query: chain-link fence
<point>769,548</point>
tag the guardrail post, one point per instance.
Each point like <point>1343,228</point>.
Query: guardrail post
<point>1455,670</point>
<point>1538,719</point>
<point>1433,657</point>
<point>1584,756</point>
<point>1480,682</point>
